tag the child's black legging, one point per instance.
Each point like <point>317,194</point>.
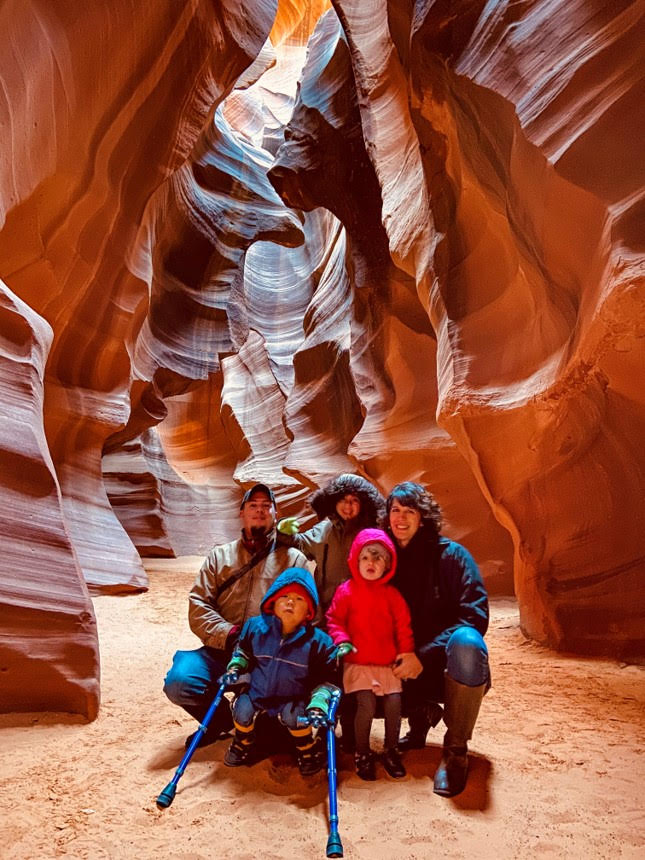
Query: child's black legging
<point>365,710</point>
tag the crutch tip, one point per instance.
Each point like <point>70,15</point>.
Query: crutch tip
<point>334,847</point>
<point>166,797</point>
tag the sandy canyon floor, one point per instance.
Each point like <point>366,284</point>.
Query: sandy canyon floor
<point>557,764</point>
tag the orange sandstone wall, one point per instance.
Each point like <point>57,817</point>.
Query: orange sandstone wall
<point>100,105</point>
<point>423,261</point>
<point>505,141</point>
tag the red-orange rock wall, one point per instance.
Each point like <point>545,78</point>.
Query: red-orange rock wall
<point>534,191</point>
<point>434,273</point>
<point>48,645</point>
<point>101,103</point>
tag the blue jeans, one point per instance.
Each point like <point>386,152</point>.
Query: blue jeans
<point>192,682</point>
<point>467,657</point>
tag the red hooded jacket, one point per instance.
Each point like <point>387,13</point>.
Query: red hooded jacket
<point>372,615</point>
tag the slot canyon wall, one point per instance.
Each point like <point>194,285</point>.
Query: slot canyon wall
<point>424,261</point>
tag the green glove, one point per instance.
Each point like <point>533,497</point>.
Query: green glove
<point>344,649</point>
<point>289,526</point>
<point>238,663</point>
<point>320,700</point>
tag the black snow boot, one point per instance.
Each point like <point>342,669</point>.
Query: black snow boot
<point>241,748</point>
<point>310,754</point>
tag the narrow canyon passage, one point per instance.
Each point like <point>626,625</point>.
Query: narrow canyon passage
<point>278,240</point>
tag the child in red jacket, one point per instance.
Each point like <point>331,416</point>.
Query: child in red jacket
<point>370,622</point>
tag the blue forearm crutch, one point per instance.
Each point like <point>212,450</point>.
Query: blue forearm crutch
<point>168,794</point>
<point>334,845</point>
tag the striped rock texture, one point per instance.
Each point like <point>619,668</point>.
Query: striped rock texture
<point>522,226</point>
<point>260,240</point>
<point>48,644</point>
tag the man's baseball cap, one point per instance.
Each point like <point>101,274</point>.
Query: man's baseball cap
<point>257,488</point>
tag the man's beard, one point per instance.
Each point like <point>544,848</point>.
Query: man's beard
<point>259,532</point>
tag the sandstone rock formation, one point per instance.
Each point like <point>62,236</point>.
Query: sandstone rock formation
<point>425,262</point>
<point>100,106</point>
<point>385,378</point>
<point>48,644</point>
<point>527,252</point>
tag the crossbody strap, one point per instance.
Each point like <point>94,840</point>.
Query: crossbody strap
<point>260,556</point>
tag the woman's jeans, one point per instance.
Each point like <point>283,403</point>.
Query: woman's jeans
<point>467,657</point>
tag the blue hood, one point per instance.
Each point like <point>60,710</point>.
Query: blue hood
<point>288,577</point>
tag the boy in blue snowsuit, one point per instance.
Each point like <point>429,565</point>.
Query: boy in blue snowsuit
<point>291,667</point>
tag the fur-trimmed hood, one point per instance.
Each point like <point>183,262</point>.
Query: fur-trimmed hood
<point>324,501</point>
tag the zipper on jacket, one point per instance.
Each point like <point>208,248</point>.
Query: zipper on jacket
<point>273,674</point>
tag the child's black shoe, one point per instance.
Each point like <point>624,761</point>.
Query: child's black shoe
<point>365,766</point>
<point>393,764</point>
<point>238,753</point>
<point>312,759</point>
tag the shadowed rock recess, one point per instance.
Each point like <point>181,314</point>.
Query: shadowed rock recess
<point>260,240</point>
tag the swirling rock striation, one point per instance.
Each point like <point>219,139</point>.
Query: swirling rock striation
<point>533,280</point>
<point>94,127</point>
<point>425,262</point>
<point>366,322</point>
<point>48,642</point>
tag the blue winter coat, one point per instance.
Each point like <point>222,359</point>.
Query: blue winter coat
<point>285,669</point>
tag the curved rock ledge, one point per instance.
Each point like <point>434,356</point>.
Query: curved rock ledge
<point>272,241</point>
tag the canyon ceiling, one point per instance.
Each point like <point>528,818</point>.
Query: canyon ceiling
<point>247,240</point>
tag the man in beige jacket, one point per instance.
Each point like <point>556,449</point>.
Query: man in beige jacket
<point>229,589</point>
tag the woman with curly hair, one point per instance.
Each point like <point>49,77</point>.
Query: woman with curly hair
<point>347,504</point>
<point>442,585</point>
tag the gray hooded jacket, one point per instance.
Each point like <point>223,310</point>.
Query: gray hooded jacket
<point>328,543</point>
